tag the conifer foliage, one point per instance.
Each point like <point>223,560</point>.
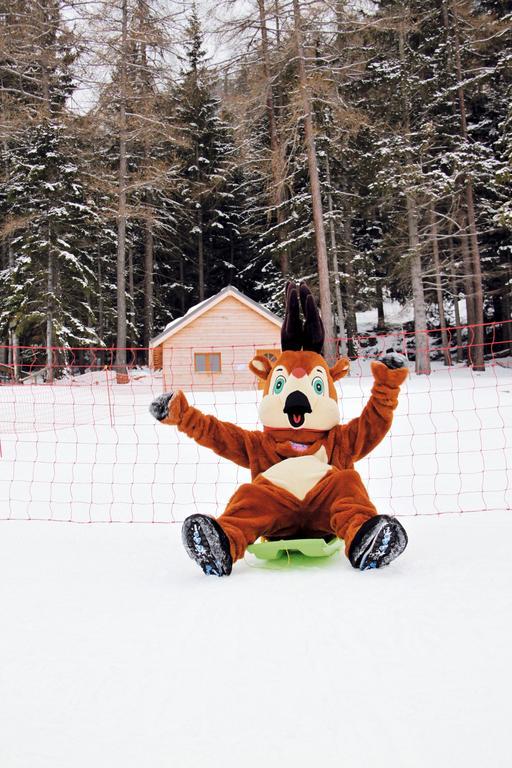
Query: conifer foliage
<point>367,150</point>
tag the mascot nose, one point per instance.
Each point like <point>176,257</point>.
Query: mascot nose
<point>296,407</point>
<point>297,402</point>
<point>298,373</point>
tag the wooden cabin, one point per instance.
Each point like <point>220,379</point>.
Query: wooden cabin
<point>209,348</point>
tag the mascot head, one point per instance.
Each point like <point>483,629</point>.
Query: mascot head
<point>299,391</point>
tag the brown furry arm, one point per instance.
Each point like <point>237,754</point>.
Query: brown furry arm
<point>227,440</point>
<point>365,432</point>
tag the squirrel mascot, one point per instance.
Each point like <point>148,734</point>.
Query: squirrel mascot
<point>302,464</point>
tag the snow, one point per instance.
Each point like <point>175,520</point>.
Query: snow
<point>116,650</point>
<point>396,314</point>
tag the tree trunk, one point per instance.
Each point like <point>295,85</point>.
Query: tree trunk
<point>476,350</point>
<point>200,253</point>
<point>439,289</point>
<point>422,364</point>
<point>381,320</point>
<point>148,283</point>
<point>278,23</point>
<point>316,197</point>
<point>350,312</point>
<point>131,294</point>
<point>15,355</point>
<point>507,324</point>
<point>182,283</point>
<point>50,288</point>
<point>350,292</point>
<point>47,52</point>
<point>455,296</point>
<point>6,260</point>
<point>422,356</point>
<point>100,296</point>
<point>47,49</point>
<point>121,210</point>
<point>278,160</point>
<point>149,244</point>
<point>467,279</point>
<point>233,273</point>
<point>14,352</point>
<point>335,268</point>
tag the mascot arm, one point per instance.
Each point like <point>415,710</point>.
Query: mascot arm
<point>365,432</point>
<point>225,439</point>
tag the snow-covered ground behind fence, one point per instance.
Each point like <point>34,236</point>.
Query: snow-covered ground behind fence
<point>86,449</point>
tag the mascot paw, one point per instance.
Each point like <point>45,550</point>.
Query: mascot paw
<point>377,542</point>
<point>159,408</point>
<point>207,544</point>
<point>393,360</point>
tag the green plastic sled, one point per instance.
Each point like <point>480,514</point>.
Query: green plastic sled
<point>273,550</point>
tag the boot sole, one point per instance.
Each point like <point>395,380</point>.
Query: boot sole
<point>381,545</point>
<point>206,543</point>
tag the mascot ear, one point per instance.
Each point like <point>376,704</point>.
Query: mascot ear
<point>260,366</point>
<point>340,368</point>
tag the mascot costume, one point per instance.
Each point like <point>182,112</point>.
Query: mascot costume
<point>302,464</point>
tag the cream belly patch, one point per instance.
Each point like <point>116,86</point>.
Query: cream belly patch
<point>300,474</point>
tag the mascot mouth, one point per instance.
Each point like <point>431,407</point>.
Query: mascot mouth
<point>296,407</point>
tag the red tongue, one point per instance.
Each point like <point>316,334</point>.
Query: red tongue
<point>297,417</point>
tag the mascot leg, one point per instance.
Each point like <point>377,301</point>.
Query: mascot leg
<point>256,509</point>
<point>338,504</point>
<point>341,502</point>
<point>259,509</point>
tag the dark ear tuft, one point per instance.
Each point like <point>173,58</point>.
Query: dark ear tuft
<point>291,330</point>
<point>314,333</point>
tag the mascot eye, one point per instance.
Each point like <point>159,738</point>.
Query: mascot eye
<point>278,385</point>
<point>318,385</point>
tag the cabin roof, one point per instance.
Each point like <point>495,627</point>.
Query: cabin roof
<point>204,306</point>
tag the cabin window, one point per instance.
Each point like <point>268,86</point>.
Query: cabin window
<point>207,362</point>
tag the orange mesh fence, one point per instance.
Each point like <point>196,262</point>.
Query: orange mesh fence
<point>78,443</point>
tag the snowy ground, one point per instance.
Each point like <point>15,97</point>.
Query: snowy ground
<point>116,652</point>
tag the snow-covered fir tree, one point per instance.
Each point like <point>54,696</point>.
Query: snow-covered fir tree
<point>47,278</point>
<point>47,287</point>
<point>208,227</point>
<point>412,133</point>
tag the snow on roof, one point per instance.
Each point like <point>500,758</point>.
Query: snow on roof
<point>202,306</point>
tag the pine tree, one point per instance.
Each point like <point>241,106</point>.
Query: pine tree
<point>47,286</point>
<point>47,276</point>
<point>208,226</point>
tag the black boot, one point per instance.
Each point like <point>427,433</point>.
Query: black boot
<point>207,544</point>
<point>377,542</point>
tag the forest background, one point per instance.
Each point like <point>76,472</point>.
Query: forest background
<point>153,152</point>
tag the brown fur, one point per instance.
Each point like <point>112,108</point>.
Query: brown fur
<point>339,502</point>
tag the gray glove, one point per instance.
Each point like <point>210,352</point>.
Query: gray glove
<point>393,360</point>
<point>159,408</point>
